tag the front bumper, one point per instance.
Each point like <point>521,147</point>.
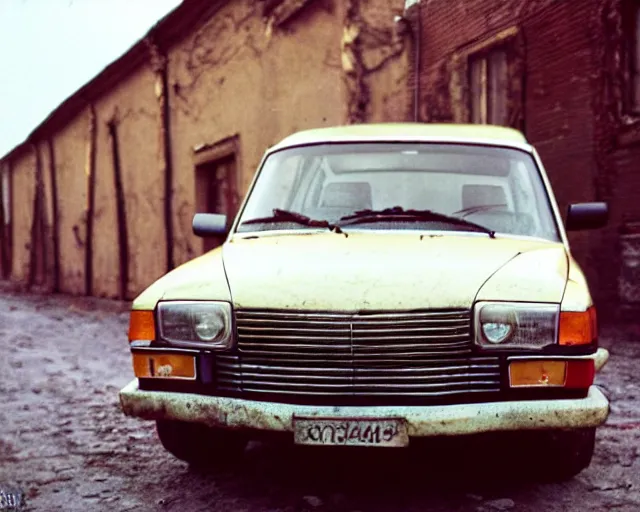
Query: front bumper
<point>422,421</point>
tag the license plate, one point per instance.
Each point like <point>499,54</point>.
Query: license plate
<point>350,432</point>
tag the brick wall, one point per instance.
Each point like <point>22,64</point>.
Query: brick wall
<point>559,117</point>
<point>561,103</point>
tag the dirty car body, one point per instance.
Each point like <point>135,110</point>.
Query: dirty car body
<point>380,283</point>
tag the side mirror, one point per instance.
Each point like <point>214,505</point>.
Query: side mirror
<point>209,224</point>
<point>587,216</point>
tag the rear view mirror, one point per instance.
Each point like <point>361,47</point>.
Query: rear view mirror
<point>587,216</point>
<point>209,224</point>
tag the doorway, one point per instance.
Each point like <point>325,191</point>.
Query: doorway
<point>216,191</point>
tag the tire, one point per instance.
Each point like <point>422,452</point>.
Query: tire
<point>200,445</point>
<point>559,455</point>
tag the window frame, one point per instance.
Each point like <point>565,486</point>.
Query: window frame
<point>487,94</point>
<point>512,39</point>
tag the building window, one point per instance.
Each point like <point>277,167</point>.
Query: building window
<point>489,86</point>
<point>634,69</point>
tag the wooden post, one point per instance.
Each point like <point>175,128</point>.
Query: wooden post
<point>165,127</point>
<point>160,67</point>
<point>54,221</point>
<point>91,193</point>
<point>37,241</point>
<point>123,240</point>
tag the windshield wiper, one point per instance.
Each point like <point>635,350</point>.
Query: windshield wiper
<point>297,218</point>
<point>398,213</point>
<point>477,209</point>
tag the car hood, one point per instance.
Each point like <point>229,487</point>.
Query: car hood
<point>368,272</point>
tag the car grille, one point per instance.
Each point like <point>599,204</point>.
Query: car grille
<point>425,354</point>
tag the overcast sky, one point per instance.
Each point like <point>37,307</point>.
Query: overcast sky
<point>50,48</point>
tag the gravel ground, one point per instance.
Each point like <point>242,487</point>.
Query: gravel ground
<point>66,444</point>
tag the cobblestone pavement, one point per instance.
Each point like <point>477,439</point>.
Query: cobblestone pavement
<point>66,444</point>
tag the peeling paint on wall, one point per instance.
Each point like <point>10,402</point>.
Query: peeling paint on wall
<point>211,49</point>
<point>283,12</point>
<point>366,49</point>
<point>159,66</point>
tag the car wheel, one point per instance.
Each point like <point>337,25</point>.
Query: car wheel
<point>200,445</point>
<point>559,455</point>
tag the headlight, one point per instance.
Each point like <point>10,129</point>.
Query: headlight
<point>196,324</point>
<point>503,325</point>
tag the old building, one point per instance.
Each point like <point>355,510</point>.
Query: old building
<point>99,199</point>
<point>567,73</point>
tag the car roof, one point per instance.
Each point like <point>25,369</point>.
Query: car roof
<point>408,132</point>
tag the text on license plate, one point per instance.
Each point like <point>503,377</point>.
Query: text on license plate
<point>350,432</point>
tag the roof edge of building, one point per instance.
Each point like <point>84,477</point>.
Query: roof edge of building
<point>166,32</point>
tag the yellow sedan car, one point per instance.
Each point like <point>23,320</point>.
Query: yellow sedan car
<point>381,283</point>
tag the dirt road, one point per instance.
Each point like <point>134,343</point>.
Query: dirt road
<point>66,444</point>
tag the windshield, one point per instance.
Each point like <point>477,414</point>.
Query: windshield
<point>398,187</point>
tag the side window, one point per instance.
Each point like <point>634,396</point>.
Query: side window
<point>280,176</point>
<point>523,191</point>
<point>306,175</point>
<point>312,199</point>
<point>527,197</point>
<point>288,176</point>
<point>488,84</point>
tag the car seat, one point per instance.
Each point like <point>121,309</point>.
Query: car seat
<point>347,195</point>
<point>341,198</point>
<point>481,195</point>
<point>499,219</point>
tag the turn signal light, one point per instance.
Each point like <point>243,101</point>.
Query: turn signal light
<point>570,374</point>
<point>537,373</point>
<point>141,326</point>
<point>164,366</point>
<point>578,328</point>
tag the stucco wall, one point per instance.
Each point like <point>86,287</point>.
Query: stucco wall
<point>23,170</point>
<point>386,59</point>
<point>231,77</point>
<point>106,268</point>
<point>71,144</point>
<point>45,241</point>
<point>247,72</point>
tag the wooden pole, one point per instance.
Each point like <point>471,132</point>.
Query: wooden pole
<point>123,239</point>
<point>91,193</point>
